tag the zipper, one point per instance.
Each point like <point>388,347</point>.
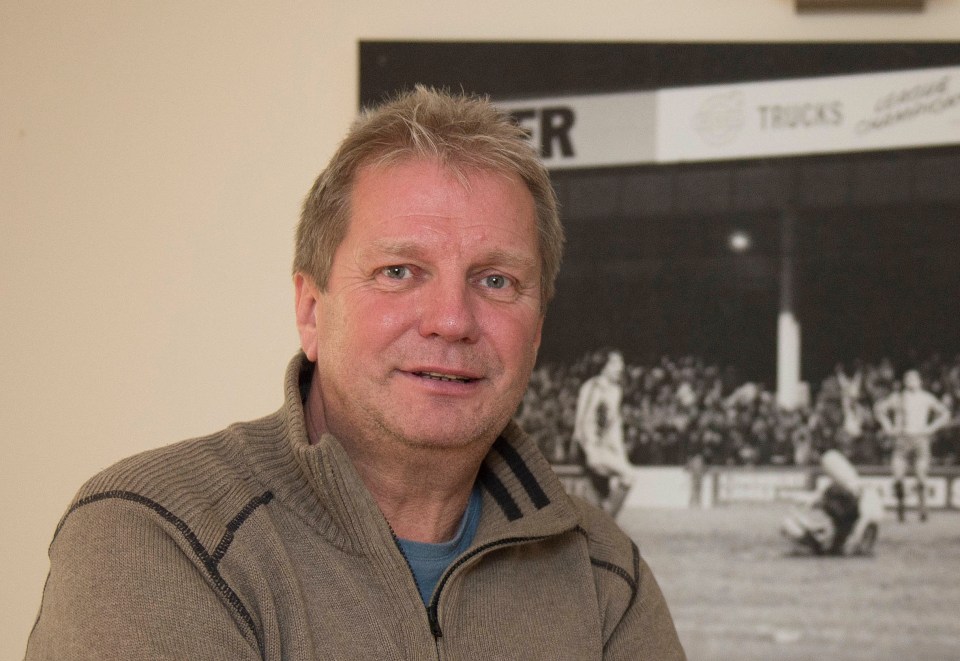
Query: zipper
<point>433,609</point>
<point>434,628</point>
<point>403,554</point>
<point>430,620</point>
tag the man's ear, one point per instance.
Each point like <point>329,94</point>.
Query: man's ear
<point>307,301</point>
<point>539,332</point>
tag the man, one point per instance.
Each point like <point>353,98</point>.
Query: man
<point>842,518</point>
<point>854,413</point>
<point>389,510</point>
<point>911,417</point>
<point>598,428</point>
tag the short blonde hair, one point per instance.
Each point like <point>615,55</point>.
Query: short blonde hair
<point>462,132</point>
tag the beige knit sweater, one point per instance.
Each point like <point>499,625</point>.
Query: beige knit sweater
<point>252,544</point>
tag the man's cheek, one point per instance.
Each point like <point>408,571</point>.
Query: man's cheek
<point>390,320</point>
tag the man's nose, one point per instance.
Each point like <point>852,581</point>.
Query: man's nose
<point>447,310</point>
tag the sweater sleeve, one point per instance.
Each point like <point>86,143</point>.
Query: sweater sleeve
<point>646,630</point>
<point>636,620</point>
<point>127,584</point>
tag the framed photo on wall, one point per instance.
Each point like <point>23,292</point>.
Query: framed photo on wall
<point>767,233</point>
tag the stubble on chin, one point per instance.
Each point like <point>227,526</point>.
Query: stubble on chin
<point>435,432</point>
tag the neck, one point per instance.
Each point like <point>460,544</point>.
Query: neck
<point>420,502</point>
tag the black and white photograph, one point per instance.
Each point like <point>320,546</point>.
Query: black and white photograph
<point>753,357</point>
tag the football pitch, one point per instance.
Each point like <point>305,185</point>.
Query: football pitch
<point>737,591</point>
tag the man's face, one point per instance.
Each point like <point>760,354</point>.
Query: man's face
<point>614,367</point>
<point>429,327</point>
<point>911,380</point>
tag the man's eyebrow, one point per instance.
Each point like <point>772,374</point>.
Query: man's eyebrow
<point>414,249</point>
<point>510,259</point>
<point>397,247</point>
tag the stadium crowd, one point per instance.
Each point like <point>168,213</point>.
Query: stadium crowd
<point>683,409</point>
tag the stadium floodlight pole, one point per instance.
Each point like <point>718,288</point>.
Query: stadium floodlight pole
<point>788,327</point>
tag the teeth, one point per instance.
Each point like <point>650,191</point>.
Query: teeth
<point>444,377</point>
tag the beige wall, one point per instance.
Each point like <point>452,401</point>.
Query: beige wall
<point>152,160</point>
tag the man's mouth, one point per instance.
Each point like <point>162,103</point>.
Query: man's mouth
<point>437,376</point>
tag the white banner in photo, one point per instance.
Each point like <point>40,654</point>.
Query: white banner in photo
<point>901,109</point>
<point>831,114</point>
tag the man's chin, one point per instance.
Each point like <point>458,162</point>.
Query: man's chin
<point>446,441</point>
<point>449,425</point>
<point>447,436</point>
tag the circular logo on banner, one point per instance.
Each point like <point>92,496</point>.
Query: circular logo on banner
<point>720,118</point>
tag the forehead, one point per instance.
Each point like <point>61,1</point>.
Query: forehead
<point>418,176</point>
<point>421,195</point>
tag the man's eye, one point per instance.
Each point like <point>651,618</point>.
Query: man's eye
<point>396,272</point>
<point>496,281</point>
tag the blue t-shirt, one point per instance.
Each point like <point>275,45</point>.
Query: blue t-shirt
<point>429,561</point>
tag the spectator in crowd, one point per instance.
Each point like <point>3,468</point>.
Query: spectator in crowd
<point>675,407</point>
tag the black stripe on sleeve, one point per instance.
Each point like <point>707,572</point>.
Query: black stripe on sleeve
<point>619,571</point>
<point>636,575</point>
<point>633,582</point>
<point>208,561</point>
<point>235,524</point>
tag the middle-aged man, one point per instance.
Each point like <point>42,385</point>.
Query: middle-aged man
<point>390,509</point>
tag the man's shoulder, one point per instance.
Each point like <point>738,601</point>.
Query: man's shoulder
<point>196,482</point>
<point>624,581</point>
<point>609,546</point>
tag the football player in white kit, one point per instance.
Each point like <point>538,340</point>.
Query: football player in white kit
<point>598,428</point>
<point>911,417</point>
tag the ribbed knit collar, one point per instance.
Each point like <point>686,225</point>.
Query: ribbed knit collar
<point>522,497</point>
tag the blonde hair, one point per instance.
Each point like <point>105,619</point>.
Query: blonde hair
<point>462,132</point>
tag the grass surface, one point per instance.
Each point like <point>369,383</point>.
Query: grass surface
<point>737,591</point>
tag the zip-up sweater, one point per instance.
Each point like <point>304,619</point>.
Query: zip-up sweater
<point>253,544</point>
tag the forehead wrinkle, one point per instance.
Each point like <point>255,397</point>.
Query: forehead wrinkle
<point>399,247</point>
